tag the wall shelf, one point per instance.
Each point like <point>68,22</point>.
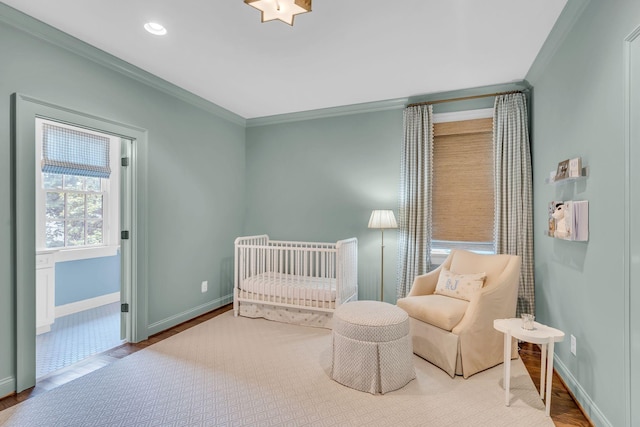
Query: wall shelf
<point>584,176</point>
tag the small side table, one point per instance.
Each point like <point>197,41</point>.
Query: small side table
<point>541,334</point>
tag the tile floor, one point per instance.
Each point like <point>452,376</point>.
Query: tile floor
<point>76,337</point>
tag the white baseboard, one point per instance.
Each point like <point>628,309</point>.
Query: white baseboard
<point>78,306</point>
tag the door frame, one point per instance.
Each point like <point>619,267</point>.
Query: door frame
<point>631,226</point>
<point>25,110</point>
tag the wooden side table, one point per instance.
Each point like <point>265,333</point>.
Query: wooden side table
<point>540,334</point>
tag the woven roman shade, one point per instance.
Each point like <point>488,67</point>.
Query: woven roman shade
<point>73,152</point>
<point>463,194</point>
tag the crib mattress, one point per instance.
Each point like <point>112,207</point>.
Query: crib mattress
<point>291,287</point>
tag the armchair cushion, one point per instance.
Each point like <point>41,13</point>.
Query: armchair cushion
<point>460,286</point>
<point>438,310</point>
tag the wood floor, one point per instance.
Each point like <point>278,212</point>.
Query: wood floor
<point>564,410</point>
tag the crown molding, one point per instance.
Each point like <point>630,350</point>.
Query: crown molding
<point>567,19</point>
<point>392,104</point>
<point>344,110</point>
<point>47,33</point>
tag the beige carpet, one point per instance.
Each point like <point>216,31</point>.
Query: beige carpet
<point>253,372</point>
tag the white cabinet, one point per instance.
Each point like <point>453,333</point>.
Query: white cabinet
<point>45,292</point>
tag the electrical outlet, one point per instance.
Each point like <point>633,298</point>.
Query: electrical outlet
<point>573,345</point>
<point>204,286</point>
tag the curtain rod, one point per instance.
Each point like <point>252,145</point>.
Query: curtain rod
<point>440,101</point>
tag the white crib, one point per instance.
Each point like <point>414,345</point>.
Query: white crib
<point>294,282</point>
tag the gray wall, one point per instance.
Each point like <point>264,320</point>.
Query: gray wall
<point>578,110</point>
<point>195,178</point>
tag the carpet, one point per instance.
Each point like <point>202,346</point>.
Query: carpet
<point>254,372</point>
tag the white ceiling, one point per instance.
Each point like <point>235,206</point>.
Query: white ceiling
<point>344,52</point>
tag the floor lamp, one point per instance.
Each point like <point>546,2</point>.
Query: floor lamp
<point>382,219</point>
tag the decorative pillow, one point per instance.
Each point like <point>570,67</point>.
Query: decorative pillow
<point>460,286</point>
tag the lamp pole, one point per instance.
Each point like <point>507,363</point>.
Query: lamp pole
<point>382,266</point>
<point>382,219</point>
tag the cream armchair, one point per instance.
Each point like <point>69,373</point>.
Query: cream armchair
<point>457,335</point>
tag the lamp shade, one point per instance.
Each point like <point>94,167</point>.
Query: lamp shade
<point>382,219</point>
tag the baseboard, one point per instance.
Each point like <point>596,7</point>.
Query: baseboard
<point>78,306</point>
<point>7,387</point>
<point>172,321</point>
<point>589,408</point>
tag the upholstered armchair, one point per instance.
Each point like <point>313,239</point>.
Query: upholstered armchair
<point>452,308</point>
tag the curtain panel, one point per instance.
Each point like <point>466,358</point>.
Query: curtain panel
<point>513,190</point>
<point>414,213</point>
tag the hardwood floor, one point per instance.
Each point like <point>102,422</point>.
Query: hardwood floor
<point>564,410</point>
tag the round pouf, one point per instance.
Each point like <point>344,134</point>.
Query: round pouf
<point>372,349</point>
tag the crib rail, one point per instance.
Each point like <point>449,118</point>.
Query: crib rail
<point>318,276</point>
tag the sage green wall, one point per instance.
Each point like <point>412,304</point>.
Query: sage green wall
<point>578,110</point>
<point>195,173</point>
<point>319,180</point>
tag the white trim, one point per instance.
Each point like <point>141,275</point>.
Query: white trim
<point>87,304</point>
<point>458,116</point>
<point>64,255</point>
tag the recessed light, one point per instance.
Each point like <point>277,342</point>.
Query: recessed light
<point>155,28</point>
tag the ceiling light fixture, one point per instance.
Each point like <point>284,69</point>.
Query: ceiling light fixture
<point>155,28</point>
<point>282,10</point>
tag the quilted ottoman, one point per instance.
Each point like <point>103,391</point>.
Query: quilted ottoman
<point>372,349</point>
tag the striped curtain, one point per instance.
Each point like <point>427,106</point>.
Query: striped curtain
<point>414,213</point>
<point>513,190</point>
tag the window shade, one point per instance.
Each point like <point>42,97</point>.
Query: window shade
<point>73,152</point>
<point>463,195</point>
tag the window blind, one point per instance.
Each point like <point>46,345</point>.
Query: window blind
<point>73,152</point>
<point>463,195</point>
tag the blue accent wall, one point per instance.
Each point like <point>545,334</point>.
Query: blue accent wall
<point>87,278</point>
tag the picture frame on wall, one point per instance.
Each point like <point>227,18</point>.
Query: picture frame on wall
<point>575,167</point>
<point>563,170</point>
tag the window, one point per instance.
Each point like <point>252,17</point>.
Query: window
<point>76,196</point>
<point>463,194</point>
<point>73,210</point>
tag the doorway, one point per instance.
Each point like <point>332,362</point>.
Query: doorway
<point>77,191</point>
<point>132,216</point>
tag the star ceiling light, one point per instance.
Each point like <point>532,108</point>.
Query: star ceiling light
<point>283,10</point>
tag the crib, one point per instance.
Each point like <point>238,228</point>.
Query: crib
<point>294,282</point>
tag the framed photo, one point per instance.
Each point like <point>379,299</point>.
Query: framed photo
<point>575,167</point>
<point>563,170</point>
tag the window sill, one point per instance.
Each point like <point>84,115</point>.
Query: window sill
<point>63,255</point>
